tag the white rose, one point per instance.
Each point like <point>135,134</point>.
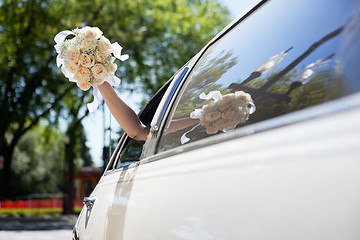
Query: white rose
<point>225,101</point>
<point>100,57</point>
<point>83,85</point>
<point>211,130</point>
<point>220,124</point>
<point>71,67</point>
<point>228,114</point>
<point>88,43</point>
<point>243,95</point>
<point>239,116</point>
<point>92,32</point>
<point>204,123</point>
<point>72,54</point>
<point>87,60</point>
<point>83,74</point>
<point>212,116</point>
<point>98,81</point>
<point>99,71</point>
<point>104,45</point>
<point>231,124</point>
<point>111,68</point>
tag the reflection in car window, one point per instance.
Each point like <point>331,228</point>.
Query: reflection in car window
<point>280,61</point>
<point>131,153</point>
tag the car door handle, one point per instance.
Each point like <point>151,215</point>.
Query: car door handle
<point>89,202</point>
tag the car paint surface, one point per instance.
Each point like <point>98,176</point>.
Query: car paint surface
<point>297,179</point>
<point>294,182</point>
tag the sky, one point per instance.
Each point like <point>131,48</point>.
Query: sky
<point>94,123</point>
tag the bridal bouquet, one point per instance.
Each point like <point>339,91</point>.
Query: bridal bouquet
<point>88,59</point>
<point>224,113</point>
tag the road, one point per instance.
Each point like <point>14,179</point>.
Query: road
<point>39,228</point>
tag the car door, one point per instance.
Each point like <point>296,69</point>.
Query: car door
<point>291,169</point>
<point>103,214</point>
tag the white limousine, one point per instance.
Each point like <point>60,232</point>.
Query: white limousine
<point>274,150</point>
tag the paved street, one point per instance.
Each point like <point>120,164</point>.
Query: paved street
<point>39,228</point>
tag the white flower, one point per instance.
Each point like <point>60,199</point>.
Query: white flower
<point>88,43</point>
<point>212,116</point>
<point>72,54</point>
<point>111,68</point>
<point>100,57</point>
<point>228,114</point>
<point>71,67</point>
<point>83,85</point>
<point>211,130</point>
<point>99,71</point>
<point>104,45</point>
<point>224,112</point>
<point>92,32</point>
<point>87,60</point>
<point>83,74</point>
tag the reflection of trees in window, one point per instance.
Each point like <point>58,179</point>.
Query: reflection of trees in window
<point>204,79</point>
<point>131,153</point>
<point>284,91</point>
<point>281,92</point>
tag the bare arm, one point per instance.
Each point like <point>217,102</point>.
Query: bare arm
<point>123,114</point>
<point>178,124</point>
<point>128,119</point>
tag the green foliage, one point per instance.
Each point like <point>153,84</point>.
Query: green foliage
<point>159,35</point>
<point>38,162</point>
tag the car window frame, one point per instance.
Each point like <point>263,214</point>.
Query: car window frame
<point>324,109</point>
<point>125,139</point>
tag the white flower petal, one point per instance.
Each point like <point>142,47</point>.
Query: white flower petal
<point>98,32</point>
<point>60,37</point>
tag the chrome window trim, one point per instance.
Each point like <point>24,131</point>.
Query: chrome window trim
<point>171,94</point>
<point>111,167</point>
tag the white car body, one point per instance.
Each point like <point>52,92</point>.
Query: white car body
<point>295,176</point>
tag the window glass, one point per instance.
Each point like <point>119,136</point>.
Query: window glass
<point>282,58</point>
<point>131,153</point>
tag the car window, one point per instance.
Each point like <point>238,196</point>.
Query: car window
<point>129,150</point>
<point>130,153</point>
<point>286,56</point>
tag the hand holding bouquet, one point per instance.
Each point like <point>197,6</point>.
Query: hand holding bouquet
<point>88,59</point>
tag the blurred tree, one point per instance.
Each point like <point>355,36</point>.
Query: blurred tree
<point>74,142</point>
<point>30,84</point>
<point>159,35</point>
<point>38,162</point>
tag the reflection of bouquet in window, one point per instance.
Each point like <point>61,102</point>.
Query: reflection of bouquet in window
<point>225,112</point>
<point>88,58</point>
